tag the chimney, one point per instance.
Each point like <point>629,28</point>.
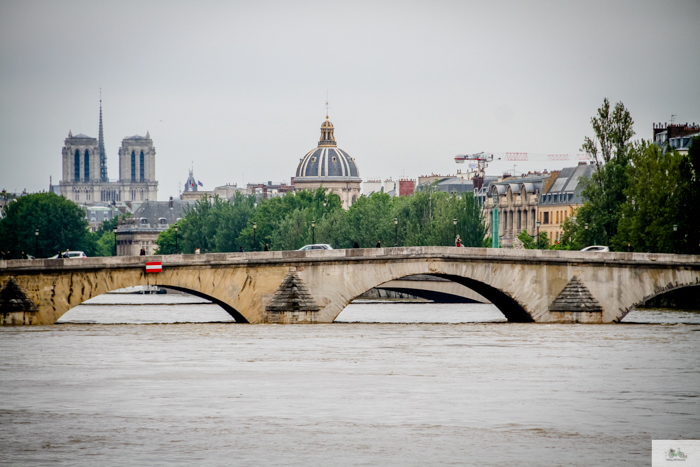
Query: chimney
<point>171,202</point>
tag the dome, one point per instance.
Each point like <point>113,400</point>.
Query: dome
<point>327,160</point>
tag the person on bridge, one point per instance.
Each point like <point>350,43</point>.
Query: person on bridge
<point>267,247</point>
<point>379,243</point>
<point>66,255</point>
<point>356,245</point>
<point>240,249</point>
<point>143,252</point>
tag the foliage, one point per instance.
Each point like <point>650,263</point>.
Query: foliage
<point>529,242</point>
<point>662,189</point>
<point>604,192</point>
<point>61,223</point>
<point>287,222</point>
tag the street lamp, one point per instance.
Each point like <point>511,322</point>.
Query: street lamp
<point>454,223</point>
<point>313,231</point>
<point>36,243</point>
<point>255,227</point>
<point>114,229</point>
<point>538,235</point>
<point>176,229</point>
<point>396,231</point>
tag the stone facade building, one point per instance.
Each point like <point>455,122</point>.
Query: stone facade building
<point>330,167</point>
<point>510,207</point>
<point>85,179</point>
<point>141,230</point>
<point>560,199</point>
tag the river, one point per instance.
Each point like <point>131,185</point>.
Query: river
<point>170,379</point>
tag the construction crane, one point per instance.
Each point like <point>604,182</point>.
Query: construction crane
<point>480,160</point>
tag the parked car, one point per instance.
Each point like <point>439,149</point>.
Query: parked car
<point>316,246</point>
<point>72,254</point>
<point>599,248</point>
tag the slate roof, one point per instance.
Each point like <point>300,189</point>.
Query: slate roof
<point>531,183</point>
<point>152,211</point>
<point>567,188</point>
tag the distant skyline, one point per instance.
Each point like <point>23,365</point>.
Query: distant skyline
<point>239,88</point>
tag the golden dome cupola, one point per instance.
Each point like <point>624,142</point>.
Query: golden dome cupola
<point>327,137</point>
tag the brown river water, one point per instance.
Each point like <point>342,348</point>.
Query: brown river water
<point>172,381</point>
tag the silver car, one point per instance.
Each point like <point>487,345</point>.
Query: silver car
<point>316,246</point>
<point>598,248</point>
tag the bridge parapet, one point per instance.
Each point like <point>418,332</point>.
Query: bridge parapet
<point>358,254</point>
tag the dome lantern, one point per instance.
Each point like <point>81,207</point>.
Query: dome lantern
<point>327,137</point>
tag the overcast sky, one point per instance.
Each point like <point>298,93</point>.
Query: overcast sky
<point>238,88</point>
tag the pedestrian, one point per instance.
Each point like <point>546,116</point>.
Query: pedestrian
<point>379,244</point>
<point>142,252</point>
<point>240,249</point>
<point>356,245</point>
<point>66,255</point>
<point>2,255</point>
<point>196,251</point>
<point>23,255</point>
<point>266,247</point>
<point>629,247</point>
<point>8,255</point>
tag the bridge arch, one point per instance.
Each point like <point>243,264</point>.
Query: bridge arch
<point>56,294</point>
<point>510,307</point>
<point>482,278</point>
<point>692,289</point>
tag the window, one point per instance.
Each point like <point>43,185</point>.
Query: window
<point>546,218</point>
<point>77,166</point>
<point>141,166</point>
<point>87,165</point>
<point>133,167</point>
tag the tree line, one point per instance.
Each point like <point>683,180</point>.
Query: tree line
<point>296,219</point>
<point>60,224</point>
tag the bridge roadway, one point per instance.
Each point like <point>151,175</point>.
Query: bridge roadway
<point>314,286</point>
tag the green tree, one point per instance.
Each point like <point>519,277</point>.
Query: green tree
<point>166,242</point>
<point>659,197</point>
<point>687,237</point>
<point>604,192</point>
<point>61,223</point>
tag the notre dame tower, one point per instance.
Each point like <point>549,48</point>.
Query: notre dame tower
<point>85,179</point>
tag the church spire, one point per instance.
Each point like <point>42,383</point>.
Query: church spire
<point>101,147</point>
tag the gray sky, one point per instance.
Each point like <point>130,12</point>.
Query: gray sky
<point>239,87</point>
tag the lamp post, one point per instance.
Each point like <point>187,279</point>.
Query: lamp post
<point>313,231</point>
<point>537,244</point>
<point>176,229</point>
<point>36,243</point>
<point>114,230</point>
<point>255,228</point>
<point>396,231</point>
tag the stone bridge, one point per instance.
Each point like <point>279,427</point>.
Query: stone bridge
<point>314,286</point>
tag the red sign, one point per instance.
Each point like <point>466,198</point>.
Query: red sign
<point>154,267</point>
